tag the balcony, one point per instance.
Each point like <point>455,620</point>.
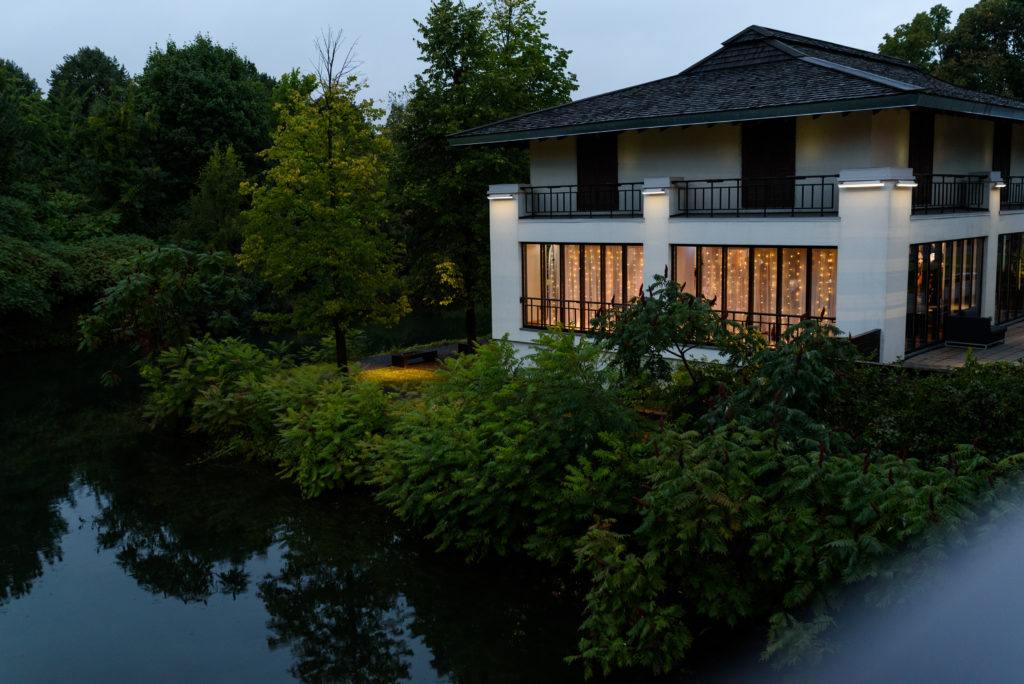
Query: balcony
<point>544,312</point>
<point>612,200</point>
<point>1012,196</point>
<point>941,193</point>
<point>789,196</point>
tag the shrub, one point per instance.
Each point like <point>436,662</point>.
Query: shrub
<point>500,455</point>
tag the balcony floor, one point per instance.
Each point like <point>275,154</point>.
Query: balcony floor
<point>944,358</point>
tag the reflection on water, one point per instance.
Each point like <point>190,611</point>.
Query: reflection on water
<point>123,559</point>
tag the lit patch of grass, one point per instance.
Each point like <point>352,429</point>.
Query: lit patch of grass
<point>401,379</point>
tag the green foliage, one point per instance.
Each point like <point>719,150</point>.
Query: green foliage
<point>324,443</point>
<point>203,97</point>
<point>84,81</point>
<point>31,277</point>
<point>668,321</point>
<point>500,455</point>
<point>212,219</point>
<point>169,296</point>
<point>313,232</point>
<point>483,63</point>
<point>23,149</point>
<point>983,51</point>
<point>186,382</point>
<point>738,525</point>
<point>791,387</point>
<point>920,41</point>
<point>927,416</point>
<point>311,419</point>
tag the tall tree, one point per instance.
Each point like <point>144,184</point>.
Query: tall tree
<point>921,40</point>
<point>203,97</point>
<point>983,51</point>
<point>483,62</point>
<point>314,229</point>
<point>22,126</point>
<point>84,79</point>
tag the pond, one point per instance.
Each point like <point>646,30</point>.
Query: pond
<point>125,556</point>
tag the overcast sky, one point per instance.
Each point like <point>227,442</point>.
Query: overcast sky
<point>614,43</point>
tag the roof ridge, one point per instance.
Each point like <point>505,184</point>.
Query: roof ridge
<point>767,32</point>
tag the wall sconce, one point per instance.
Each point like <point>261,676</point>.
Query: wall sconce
<point>999,185</point>
<point>850,185</point>
<point>651,192</point>
<point>906,184</point>
<point>501,196</point>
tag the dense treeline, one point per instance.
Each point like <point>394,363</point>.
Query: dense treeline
<point>295,175</point>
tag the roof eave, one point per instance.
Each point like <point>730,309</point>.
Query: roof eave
<point>832,107</point>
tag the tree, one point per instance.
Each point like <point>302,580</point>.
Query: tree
<point>984,51</point>
<point>22,126</point>
<point>920,41</point>
<point>203,97</point>
<point>213,216</point>
<point>314,229</point>
<point>85,79</point>
<point>484,62</point>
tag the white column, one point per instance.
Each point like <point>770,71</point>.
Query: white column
<point>506,282</point>
<point>658,198</point>
<point>991,260</point>
<point>874,213</point>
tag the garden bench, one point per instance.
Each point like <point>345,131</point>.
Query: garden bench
<point>403,359</point>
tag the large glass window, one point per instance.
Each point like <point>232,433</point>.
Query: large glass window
<point>1010,278</point>
<point>570,285</point>
<point>943,279</point>
<point>769,287</point>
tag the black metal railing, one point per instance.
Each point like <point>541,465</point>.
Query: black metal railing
<point>541,312</point>
<point>772,324</point>
<point>943,193</point>
<point>569,201</point>
<point>1012,196</point>
<point>733,197</point>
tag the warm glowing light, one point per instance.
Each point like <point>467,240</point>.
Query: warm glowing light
<point>501,196</point>
<point>906,184</point>
<point>849,185</point>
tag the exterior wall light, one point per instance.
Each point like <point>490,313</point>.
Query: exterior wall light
<point>999,185</point>
<point>906,184</point>
<point>501,196</point>
<point>861,184</point>
<point>651,192</point>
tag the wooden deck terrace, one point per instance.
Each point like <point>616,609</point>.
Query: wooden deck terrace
<point>944,358</point>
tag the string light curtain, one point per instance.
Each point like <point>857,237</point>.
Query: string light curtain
<point>768,287</point>
<point>569,284</point>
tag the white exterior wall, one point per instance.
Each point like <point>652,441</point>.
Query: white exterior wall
<point>553,161</point>
<point>962,144</point>
<point>694,152</point>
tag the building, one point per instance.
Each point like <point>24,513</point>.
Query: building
<point>782,176</point>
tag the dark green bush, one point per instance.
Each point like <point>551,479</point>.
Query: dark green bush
<point>500,455</point>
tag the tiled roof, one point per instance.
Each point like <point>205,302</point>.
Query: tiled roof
<point>758,73</point>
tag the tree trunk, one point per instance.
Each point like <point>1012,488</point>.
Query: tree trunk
<point>471,323</point>
<point>340,347</point>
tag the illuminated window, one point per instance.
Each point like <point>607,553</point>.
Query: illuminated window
<point>570,285</point>
<point>768,287</point>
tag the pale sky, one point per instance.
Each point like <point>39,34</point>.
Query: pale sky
<point>614,43</point>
